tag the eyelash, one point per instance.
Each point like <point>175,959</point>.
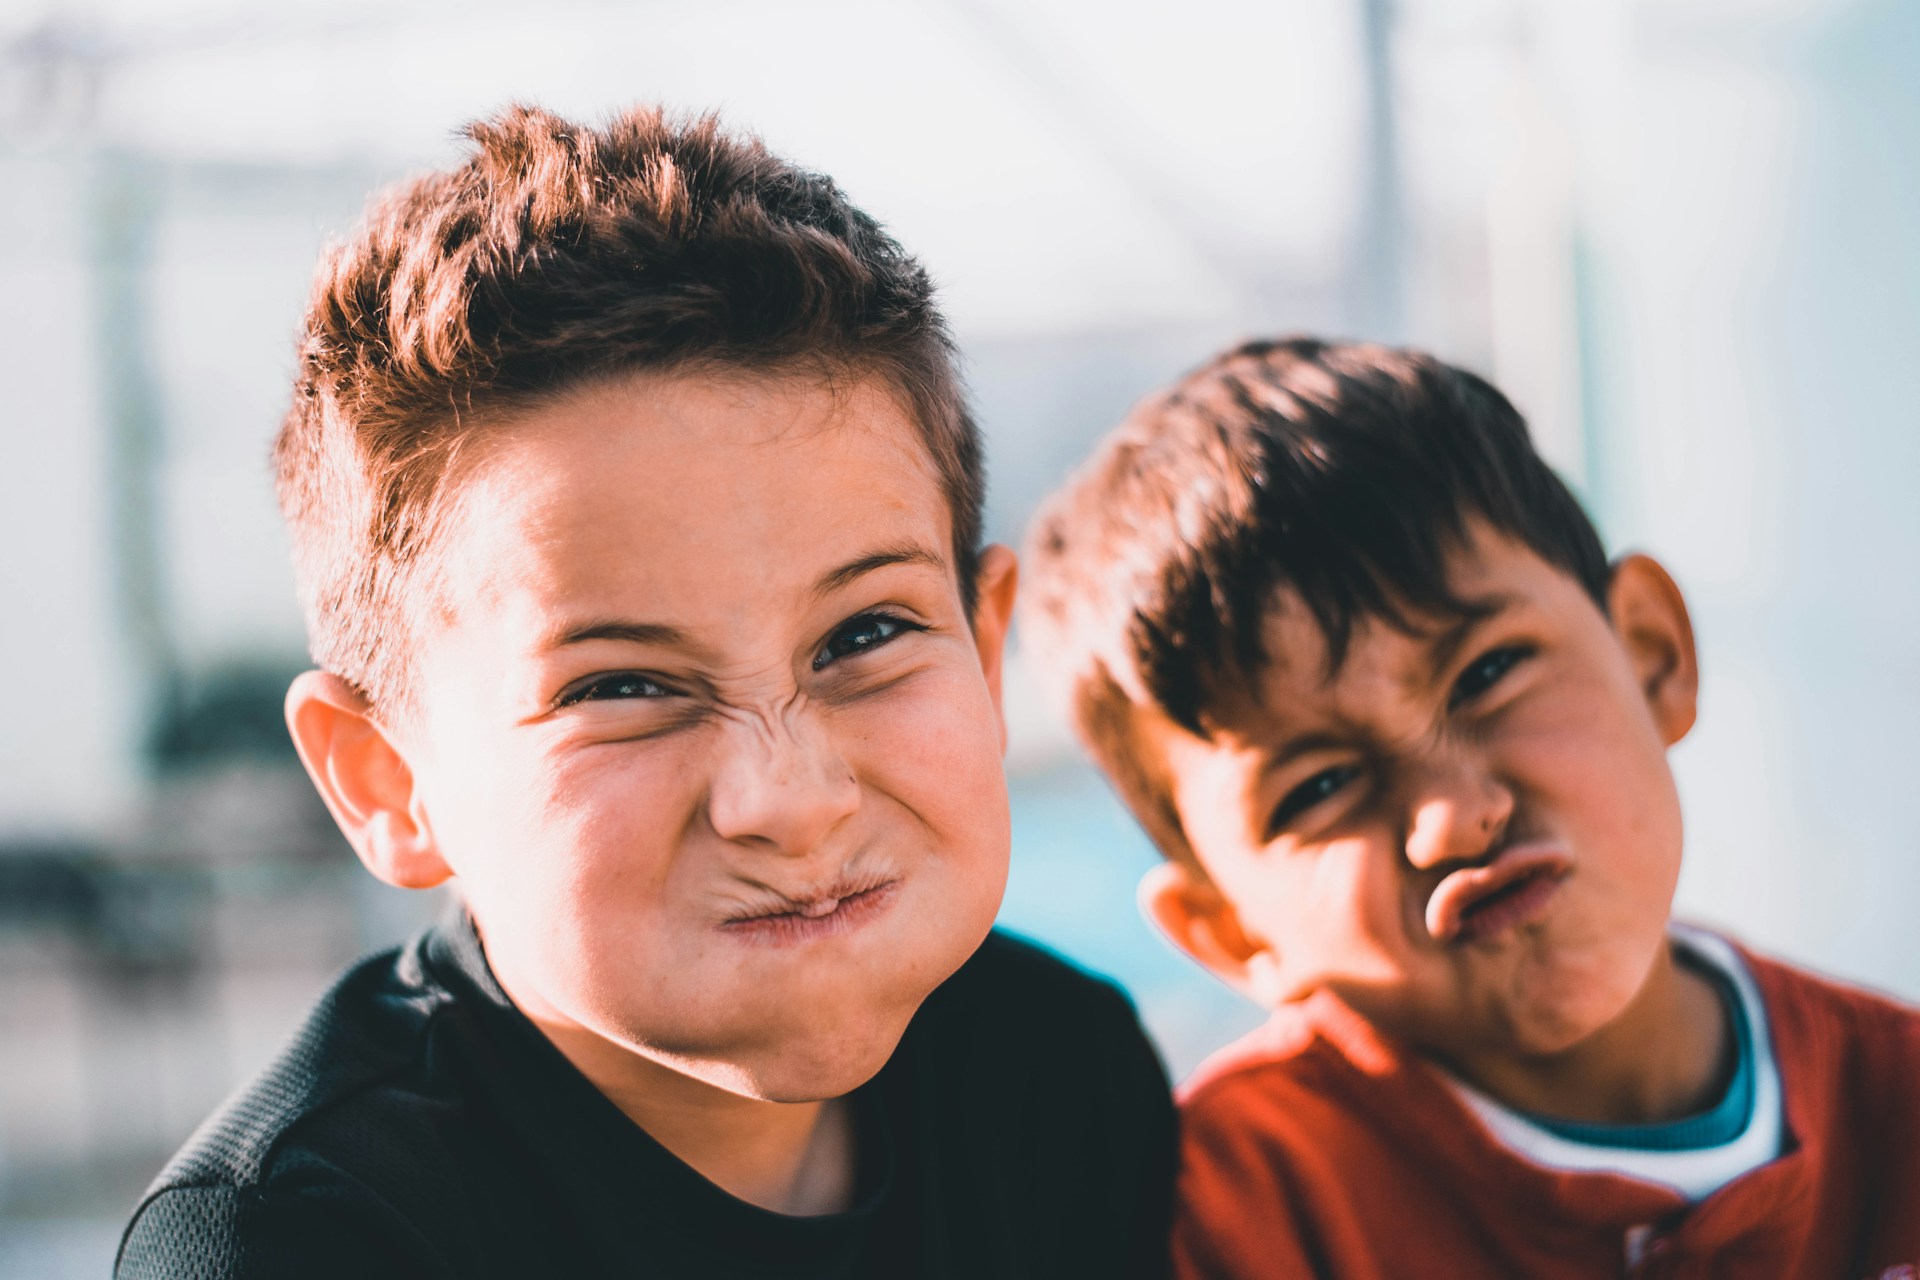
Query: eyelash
<point>900,626</point>
<point>1321,786</point>
<point>1486,671</point>
<point>632,684</point>
<point>606,688</point>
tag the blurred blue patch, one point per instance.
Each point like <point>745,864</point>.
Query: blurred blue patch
<point>1077,855</point>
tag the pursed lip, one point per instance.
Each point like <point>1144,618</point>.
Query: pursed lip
<point>1527,874</point>
<point>789,918</point>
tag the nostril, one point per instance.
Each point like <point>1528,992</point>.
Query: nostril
<point>1449,834</point>
<point>785,790</point>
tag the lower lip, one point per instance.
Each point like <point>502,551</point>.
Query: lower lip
<point>1517,904</point>
<point>794,929</point>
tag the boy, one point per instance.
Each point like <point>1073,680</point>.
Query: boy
<point>1354,656</point>
<point>636,513</point>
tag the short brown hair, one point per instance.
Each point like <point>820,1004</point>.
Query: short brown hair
<point>555,255</point>
<point>1345,472</point>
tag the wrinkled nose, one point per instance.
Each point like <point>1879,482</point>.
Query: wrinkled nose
<point>780,783</point>
<point>1458,811</point>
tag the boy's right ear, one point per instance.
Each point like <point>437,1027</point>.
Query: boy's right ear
<point>1197,918</point>
<point>365,780</point>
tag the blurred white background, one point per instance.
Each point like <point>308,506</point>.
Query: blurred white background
<point>1680,233</point>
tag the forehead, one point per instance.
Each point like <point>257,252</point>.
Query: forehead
<point>1301,678</point>
<point>687,496</point>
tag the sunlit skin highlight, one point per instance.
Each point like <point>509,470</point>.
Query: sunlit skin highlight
<point>707,736</point>
<point>1468,832</point>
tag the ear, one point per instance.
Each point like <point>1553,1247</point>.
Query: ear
<point>1650,617</point>
<point>365,780</point>
<point>994,586</point>
<point>1196,917</point>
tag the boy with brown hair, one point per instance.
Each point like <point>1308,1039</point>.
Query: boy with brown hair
<point>1357,661</point>
<point>636,510</point>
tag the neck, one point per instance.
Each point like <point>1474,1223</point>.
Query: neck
<point>1666,1056</point>
<point>789,1157</point>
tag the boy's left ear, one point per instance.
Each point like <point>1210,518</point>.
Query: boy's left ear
<point>1650,617</point>
<point>994,586</point>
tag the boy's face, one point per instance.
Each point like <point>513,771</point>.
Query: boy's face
<point>705,731</point>
<point>1470,834</point>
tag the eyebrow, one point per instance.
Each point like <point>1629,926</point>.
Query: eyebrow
<point>853,570</point>
<point>1443,647</point>
<point>1446,644</point>
<point>631,632</point>
<point>658,633</point>
<point>1305,744</point>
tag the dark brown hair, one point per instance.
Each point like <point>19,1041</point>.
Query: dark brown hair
<point>1345,473</point>
<point>555,255</point>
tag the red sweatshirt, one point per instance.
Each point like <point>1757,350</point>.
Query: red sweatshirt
<point>1316,1147</point>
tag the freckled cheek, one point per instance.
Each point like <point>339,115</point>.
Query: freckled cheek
<point>1329,904</point>
<point>931,745</point>
<point>1604,782</point>
<point>1569,747</point>
<point>602,827</point>
<point>1362,894</point>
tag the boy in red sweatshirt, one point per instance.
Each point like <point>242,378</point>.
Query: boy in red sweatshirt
<point>1357,660</point>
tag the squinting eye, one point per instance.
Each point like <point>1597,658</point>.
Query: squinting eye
<point>1320,786</point>
<point>624,684</point>
<point>1485,671</point>
<point>856,635</point>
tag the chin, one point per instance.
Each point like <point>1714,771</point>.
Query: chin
<point>1547,1036</point>
<point>822,1067</point>
<point>1579,1010</point>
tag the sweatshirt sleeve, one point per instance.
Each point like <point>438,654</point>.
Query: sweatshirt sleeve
<point>1235,1215</point>
<point>1145,1149</point>
<point>236,1233</point>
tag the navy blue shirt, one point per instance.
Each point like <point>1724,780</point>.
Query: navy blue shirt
<point>418,1125</point>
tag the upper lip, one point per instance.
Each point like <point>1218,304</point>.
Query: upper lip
<point>1457,893</point>
<point>769,901</point>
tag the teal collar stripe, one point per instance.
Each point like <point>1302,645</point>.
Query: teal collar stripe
<point>1715,1127</point>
